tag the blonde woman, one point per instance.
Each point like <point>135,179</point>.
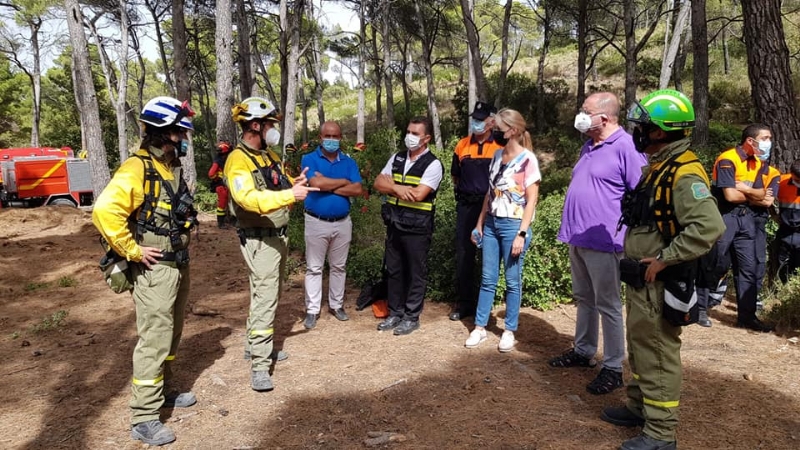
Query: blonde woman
<point>504,223</point>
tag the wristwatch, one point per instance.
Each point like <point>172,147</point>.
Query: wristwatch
<point>660,256</point>
<point>522,233</point>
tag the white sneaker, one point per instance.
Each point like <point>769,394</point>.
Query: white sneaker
<point>475,338</point>
<point>506,342</point>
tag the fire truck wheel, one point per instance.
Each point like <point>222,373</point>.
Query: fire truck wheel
<point>62,202</point>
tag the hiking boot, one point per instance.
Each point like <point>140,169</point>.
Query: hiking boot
<point>340,314</point>
<point>179,400</point>
<point>152,432</point>
<point>621,416</point>
<point>310,322</point>
<point>260,381</point>
<point>607,380</point>
<point>571,359</point>
<point>506,342</point>
<point>278,355</point>
<point>389,323</point>
<point>702,318</point>
<point>406,327</point>
<point>475,338</point>
<point>645,442</point>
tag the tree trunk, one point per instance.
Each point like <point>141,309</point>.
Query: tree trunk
<point>153,8</point>
<point>629,16</point>
<point>474,45</point>
<point>362,44</point>
<point>122,82</point>
<point>680,60</point>
<point>501,82</point>
<point>675,42</point>
<point>181,60</point>
<point>387,61</point>
<point>304,109</point>
<point>292,63</point>
<point>245,56</point>
<point>583,28</point>
<point>91,129</point>
<point>770,77</point>
<point>547,33</point>
<point>377,70</point>
<point>700,73</point>
<point>223,42</point>
<point>133,113</point>
<point>433,112</point>
<point>726,58</point>
<point>36,78</point>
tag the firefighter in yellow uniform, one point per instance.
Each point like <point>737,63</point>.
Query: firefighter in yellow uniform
<point>261,193</point>
<point>145,215</point>
<point>672,221</point>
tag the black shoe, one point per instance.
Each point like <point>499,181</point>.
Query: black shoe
<point>571,359</point>
<point>458,315</point>
<point>621,416</point>
<point>755,325</point>
<point>340,314</point>
<point>389,323</point>
<point>607,381</point>
<point>406,327</point>
<point>310,322</point>
<point>702,318</point>
<point>645,442</point>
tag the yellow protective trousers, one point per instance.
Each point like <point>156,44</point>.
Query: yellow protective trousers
<point>266,260</point>
<point>654,354</point>
<point>160,297</point>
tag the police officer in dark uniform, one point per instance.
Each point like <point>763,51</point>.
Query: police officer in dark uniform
<point>470,174</point>
<point>409,180</point>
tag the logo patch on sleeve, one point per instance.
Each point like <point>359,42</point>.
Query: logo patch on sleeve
<point>700,191</point>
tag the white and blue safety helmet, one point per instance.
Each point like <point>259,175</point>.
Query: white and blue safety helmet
<point>162,112</point>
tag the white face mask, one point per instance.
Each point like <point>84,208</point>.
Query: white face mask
<point>583,122</point>
<point>272,137</point>
<point>412,142</point>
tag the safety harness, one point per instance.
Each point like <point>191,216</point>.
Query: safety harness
<point>183,216</point>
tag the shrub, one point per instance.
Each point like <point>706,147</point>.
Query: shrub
<point>729,101</point>
<point>67,281</point>
<point>50,322</point>
<point>721,136</point>
<point>785,300</point>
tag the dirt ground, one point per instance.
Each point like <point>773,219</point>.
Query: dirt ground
<point>67,385</point>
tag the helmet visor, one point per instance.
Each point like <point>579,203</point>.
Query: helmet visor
<point>638,114</point>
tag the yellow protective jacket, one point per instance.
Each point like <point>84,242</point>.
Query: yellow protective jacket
<point>123,196</point>
<point>255,205</point>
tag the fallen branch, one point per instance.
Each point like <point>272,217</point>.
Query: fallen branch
<point>20,370</point>
<point>400,381</point>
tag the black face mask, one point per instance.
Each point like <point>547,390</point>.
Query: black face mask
<point>641,138</point>
<point>499,137</point>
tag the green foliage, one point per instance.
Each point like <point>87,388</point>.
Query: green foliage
<point>785,304</point>
<point>204,199</point>
<point>546,276</point>
<point>648,72</point>
<point>35,286</point>
<point>13,88</point>
<point>729,101</point>
<point>67,281</point>
<point>50,322</point>
<point>721,136</point>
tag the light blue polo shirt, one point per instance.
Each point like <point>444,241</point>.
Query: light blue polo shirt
<point>328,204</point>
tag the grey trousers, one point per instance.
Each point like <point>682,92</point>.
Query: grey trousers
<point>596,290</point>
<point>331,239</point>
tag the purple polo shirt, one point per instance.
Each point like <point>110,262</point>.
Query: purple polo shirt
<point>594,198</point>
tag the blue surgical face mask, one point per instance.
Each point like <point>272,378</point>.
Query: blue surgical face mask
<point>764,149</point>
<point>330,145</point>
<point>478,126</point>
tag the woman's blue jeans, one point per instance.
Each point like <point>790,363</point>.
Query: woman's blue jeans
<point>498,237</point>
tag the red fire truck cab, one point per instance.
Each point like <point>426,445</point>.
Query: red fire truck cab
<point>44,176</point>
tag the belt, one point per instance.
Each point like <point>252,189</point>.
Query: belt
<point>263,232</point>
<point>327,219</point>
<point>471,198</point>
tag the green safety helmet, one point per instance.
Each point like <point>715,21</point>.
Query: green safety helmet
<point>668,109</point>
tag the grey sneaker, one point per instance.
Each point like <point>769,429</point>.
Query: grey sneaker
<point>340,314</point>
<point>279,355</point>
<point>260,381</point>
<point>179,400</point>
<point>310,322</point>
<point>152,433</point>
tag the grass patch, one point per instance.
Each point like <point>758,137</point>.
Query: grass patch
<point>67,281</point>
<point>35,286</point>
<point>51,322</point>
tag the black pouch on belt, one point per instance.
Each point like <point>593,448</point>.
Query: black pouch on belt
<point>631,272</point>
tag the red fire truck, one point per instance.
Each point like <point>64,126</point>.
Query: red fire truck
<point>44,176</point>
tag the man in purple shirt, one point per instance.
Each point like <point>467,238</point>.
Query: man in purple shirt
<point>608,166</point>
